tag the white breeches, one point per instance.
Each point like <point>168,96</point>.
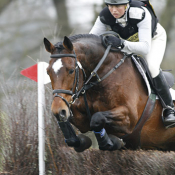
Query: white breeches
<point>156,54</point>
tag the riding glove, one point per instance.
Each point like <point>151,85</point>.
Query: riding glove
<point>115,42</point>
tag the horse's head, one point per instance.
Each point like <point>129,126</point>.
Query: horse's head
<point>62,70</point>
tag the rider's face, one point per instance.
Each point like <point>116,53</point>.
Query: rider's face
<point>117,10</point>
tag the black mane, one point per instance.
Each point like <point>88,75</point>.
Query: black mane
<point>75,37</point>
<point>59,45</point>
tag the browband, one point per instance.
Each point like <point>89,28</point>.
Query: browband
<point>62,55</point>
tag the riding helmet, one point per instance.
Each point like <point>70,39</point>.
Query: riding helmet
<point>116,2</point>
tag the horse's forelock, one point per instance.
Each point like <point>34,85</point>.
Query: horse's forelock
<point>59,46</point>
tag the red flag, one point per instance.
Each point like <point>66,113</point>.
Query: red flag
<point>32,72</point>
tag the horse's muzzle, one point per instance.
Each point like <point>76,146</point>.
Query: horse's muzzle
<point>61,116</point>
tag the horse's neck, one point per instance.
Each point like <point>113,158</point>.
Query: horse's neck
<point>90,53</point>
<point>124,86</point>
<point>90,56</point>
<point>126,76</point>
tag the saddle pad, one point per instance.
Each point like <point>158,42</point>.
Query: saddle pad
<point>142,72</point>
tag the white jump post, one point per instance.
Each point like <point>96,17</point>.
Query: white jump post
<point>38,73</point>
<point>41,127</point>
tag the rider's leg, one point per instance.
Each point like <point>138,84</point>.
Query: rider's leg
<point>162,89</point>
<point>154,59</point>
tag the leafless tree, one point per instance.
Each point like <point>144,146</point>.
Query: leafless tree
<point>62,17</point>
<point>3,4</point>
<point>168,16</point>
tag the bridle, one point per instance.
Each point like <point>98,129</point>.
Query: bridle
<point>87,84</point>
<point>76,81</point>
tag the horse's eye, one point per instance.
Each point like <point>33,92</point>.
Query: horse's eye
<point>71,71</point>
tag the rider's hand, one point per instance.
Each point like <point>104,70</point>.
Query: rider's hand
<point>115,42</point>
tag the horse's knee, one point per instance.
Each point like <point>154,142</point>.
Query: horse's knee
<point>98,122</point>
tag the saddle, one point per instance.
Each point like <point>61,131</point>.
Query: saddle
<point>141,61</point>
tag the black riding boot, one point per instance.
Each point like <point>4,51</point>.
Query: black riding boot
<point>162,90</point>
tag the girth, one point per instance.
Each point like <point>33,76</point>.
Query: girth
<point>133,140</point>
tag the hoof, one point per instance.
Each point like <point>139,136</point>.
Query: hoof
<point>85,143</point>
<point>117,143</point>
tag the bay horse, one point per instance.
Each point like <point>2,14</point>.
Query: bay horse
<point>110,104</point>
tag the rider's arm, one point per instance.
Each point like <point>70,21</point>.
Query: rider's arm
<point>145,36</point>
<point>144,32</point>
<point>99,27</point>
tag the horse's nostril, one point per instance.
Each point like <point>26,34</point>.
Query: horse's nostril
<point>62,115</point>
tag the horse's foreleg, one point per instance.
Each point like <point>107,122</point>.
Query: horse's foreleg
<point>105,141</point>
<point>70,137</point>
<point>80,142</point>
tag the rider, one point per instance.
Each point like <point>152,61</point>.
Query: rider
<point>140,33</point>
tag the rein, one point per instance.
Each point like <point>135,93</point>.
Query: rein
<point>87,84</point>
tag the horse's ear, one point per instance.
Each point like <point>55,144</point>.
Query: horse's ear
<point>67,44</point>
<point>48,45</point>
